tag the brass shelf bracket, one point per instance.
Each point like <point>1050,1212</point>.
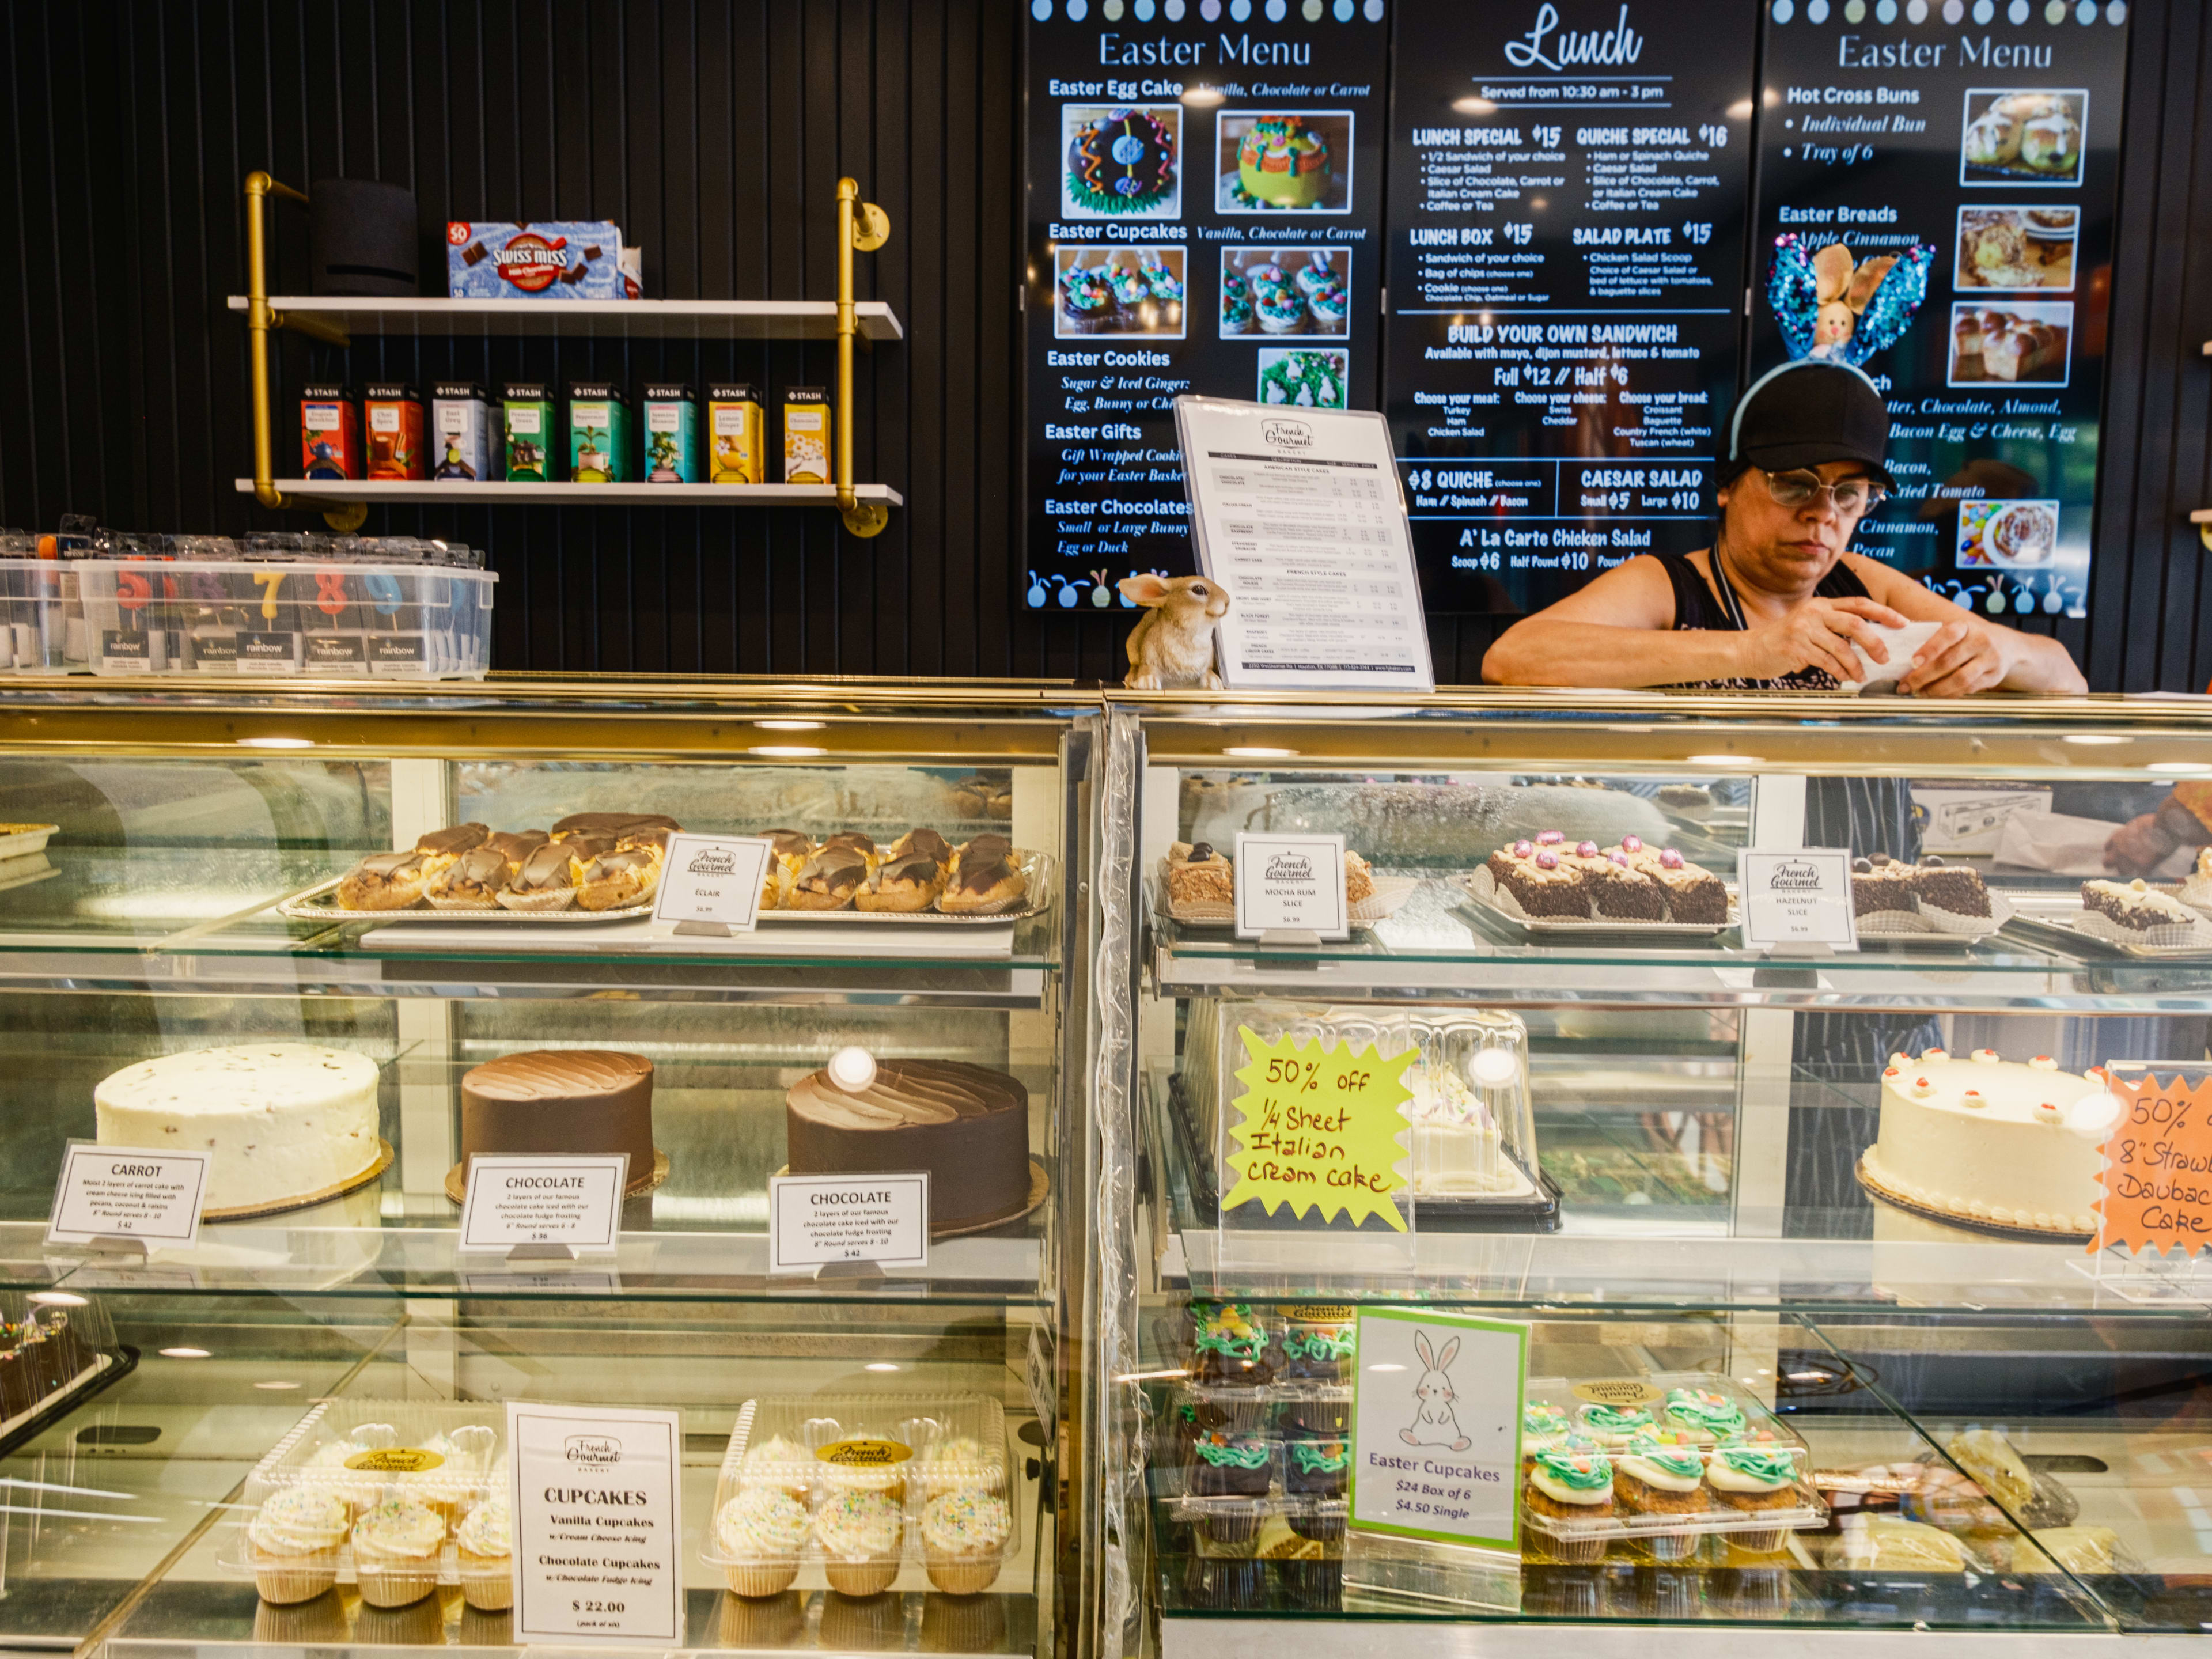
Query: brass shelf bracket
<point>865,226</point>
<point>260,318</point>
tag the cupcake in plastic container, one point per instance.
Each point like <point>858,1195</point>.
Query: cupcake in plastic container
<point>963,1536</point>
<point>1316,1469</point>
<point>761,1533</point>
<point>1660,1474</point>
<point>1573,1486</point>
<point>783,1464</point>
<point>1230,1465</point>
<point>861,1535</point>
<point>961,1463</point>
<point>396,1547</point>
<point>1752,1479</point>
<point>487,1547</point>
<point>292,1542</point>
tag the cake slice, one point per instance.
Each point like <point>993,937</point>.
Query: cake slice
<point>2135,905</point>
<point>1199,875</point>
<point>1694,894</point>
<point>1619,890</point>
<point>1880,883</point>
<point>1547,884</point>
<point>1952,887</point>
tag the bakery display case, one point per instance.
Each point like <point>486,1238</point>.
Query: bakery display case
<point>346,940</point>
<point>1812,1328</point>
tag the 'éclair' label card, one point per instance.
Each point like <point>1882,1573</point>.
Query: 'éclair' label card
<point>574,1200</point>
<point>713,878</point>
<point>1797,895</point>
<point>129,1192</point>
<point>1291,882</point>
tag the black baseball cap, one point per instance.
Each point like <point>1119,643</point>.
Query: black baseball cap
<point>1810,413</point>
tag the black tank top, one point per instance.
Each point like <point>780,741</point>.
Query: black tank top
<point>1699,608</point>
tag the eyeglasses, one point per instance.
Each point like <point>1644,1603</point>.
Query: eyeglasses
<point>1852,496</point>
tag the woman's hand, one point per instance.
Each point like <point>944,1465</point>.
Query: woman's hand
<point>2138,847</point>
<point>1818,634</point>
<point>1962,657</point>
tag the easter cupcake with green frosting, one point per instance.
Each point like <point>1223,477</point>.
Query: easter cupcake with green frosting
<point>1571,1485</point>
<point>1615,1426</point>
<point>1753,1477</point>
<point>1705,1416</point>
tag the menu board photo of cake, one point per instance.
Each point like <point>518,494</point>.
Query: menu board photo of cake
<point>2015,136</point>
<point>2019,249</point>
<point>1277,291</point>
<point>1283,162</point>
<point>1118,290</point>
<point>2017,344</point>
<point>1121,161</point>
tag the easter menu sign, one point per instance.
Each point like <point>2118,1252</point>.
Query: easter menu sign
<point>1436,1427</point>
<point>1318,1130</point>
<point>2158,1167</point>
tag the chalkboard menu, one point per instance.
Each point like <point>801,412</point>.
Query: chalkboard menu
<point>1568,189</point>
<point>1205,213</point>
<point>1988,134</point>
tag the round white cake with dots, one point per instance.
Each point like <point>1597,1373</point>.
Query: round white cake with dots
<point>285,1119</point>
<point>1989,1139</point>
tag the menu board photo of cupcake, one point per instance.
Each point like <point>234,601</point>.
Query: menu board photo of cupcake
<point>1118,290</point>
<point>1286,290</point>
<point>2016,136</point>
<point>1309,380</point>
<point>1283,162</point>
<point>1123,162</point>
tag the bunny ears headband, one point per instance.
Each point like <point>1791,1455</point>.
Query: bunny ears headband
<point>1880,297</point>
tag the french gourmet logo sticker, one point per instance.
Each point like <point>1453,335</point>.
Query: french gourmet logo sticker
<point>395,1460</point>
<point>864,1454</point>
<point>1617,1391</point>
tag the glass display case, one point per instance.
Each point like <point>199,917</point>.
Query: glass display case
<point>1814,1334</point>
<point>257,917</point>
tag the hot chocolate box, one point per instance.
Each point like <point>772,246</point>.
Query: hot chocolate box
<point>544,260</point>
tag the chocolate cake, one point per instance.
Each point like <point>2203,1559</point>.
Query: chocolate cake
<point>967,1125</point>
<point>1880,883</point>
<point>2135,905</point>
<point>1953,887</point>
<point>1629,882</point>
<point>561,1100</point>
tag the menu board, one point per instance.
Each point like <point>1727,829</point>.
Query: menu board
<point>1569,186</point>
<point>1988,136</point>
<point>1204,205</point>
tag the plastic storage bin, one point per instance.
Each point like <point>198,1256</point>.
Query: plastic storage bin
<point>346,621</point>
<point>41,616</point>
<point>882,1481</point>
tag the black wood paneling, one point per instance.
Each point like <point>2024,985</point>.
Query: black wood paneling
<point>715,131</point>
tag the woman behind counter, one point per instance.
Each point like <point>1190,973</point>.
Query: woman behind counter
<point>1776,602</point>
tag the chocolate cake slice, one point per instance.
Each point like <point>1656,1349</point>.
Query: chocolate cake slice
<point>1952,887</point>
<point>1546,884</point>
<point>1879,883</point>
<point>2135,905</point>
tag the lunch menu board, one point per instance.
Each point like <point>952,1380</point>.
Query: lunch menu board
<point>1566,213</point>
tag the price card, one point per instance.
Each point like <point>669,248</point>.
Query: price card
<point>2158,1167</point>
<point>1318,1130</point>
<point>128,1191</point>
<point>1797,897</point>
<point>712,884</point>
<point>1436,1427</point>
<point>573,1201</point>
<point>1293,882</point>
<point>820,1221</point>
<point>598,1529</point>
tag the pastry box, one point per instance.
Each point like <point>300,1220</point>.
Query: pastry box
<point>859,1489</point>
<point>1695,1420</point>
<point>448,1458</point>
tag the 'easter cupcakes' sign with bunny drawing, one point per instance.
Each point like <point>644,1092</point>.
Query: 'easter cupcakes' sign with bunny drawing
<point>1436,1427</point>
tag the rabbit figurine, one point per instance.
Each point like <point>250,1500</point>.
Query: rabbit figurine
<point>1433,1422</point>
<point>1172,647</point>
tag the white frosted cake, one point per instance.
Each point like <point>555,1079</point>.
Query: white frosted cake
<point>1988,1139</point>
<point>283,1120</point>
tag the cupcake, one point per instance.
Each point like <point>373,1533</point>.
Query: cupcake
<point>783,1464</point>
<point>1330,307</point>
<point>1315,275</point>
<point>1166,287</point>
<point>1571,1487</point>
<point>1281,311</point>
<point>760,1534</point>
<point>1316,1469</point>
<point>1661,1474</point>
<point>876,1466</point>
<point>863,1624</point>
<point>1086,301</point>
<point>1133,298</point>
<point>487,1547</point>
<point>1268,277</point>
<point>1543,1428</point>
<point>1229,1345</point>
<point>293,1543</point>
<point>1236,313</point>
<point>960,1464</point>
<point>1615,1426</point>
<point>861,1535</point>
<point>1314,1420</point>
<point>1705,1416</point>
<point>1230,1465</point>
<point>963,1536</point>
<point>1752,1478</point>
<point>395,1546</point>
<point>1317,1342</point>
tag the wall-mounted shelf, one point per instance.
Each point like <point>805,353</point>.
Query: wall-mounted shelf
<point>596,320</point>
<point>339,493</point>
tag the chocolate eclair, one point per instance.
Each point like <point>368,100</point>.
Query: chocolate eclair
<point>792,849</point>
<point>442,846</point>
<point>608,825</point>
<point>908,882</point>
<point>854,840</point>
<point>984,877</point>
<point>828,881</point>
<point>386,881</point>
<point>546,879</point>
<point>624,876</point>
<point>472,881</point>
<point>922,840</point>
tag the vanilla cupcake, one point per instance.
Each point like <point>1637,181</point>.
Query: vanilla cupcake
<point>326,1471</point>
<point>760,1532</point>
<point>396,1547</point>
<point>293,1543</point>
<point>861,1534</point>
<point>960,1464</point>
<point>783,1464</point>
<point>487,1547</point>
<point>963,1536</point>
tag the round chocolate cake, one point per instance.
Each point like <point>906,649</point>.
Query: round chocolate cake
<point>967,1125</point>
<point>561,1100</point>
<point>1124,163</point>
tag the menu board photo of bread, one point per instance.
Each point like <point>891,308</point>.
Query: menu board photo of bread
<point>2019,344</point>
<point>2023,135</point>
<point>2019,249</point>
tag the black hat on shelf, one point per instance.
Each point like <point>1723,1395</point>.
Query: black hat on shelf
<point>362,239</point>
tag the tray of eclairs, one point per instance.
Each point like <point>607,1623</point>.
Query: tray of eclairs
<point>606,866</point>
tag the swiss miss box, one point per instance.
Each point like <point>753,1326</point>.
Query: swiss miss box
<point>329,434</point>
